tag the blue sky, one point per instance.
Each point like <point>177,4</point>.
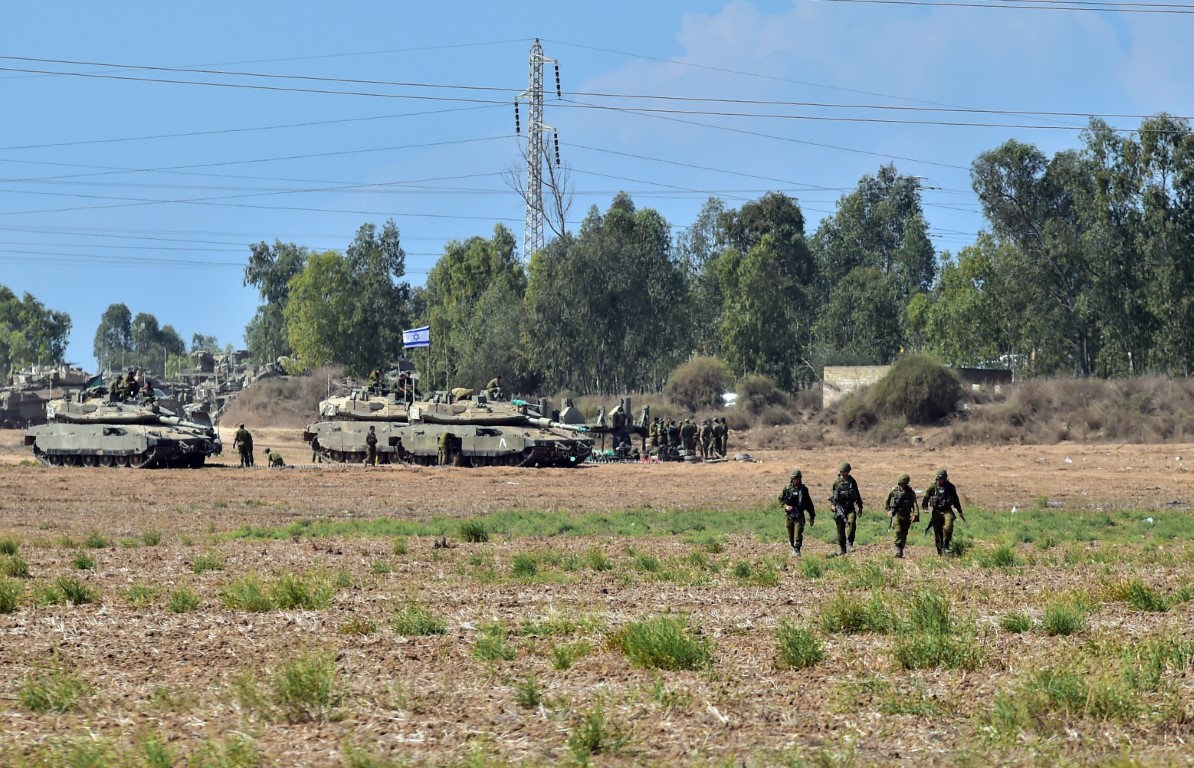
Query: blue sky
<point>122,184</point>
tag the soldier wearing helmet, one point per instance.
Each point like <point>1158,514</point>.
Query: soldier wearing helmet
<point>901,508</point>
<point>847,507</point>
<point>797,500</point>
<point>942,499</point>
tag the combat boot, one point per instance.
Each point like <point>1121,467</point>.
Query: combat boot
<point>899,551</point>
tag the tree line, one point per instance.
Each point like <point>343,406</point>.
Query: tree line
<point>1085,267</point>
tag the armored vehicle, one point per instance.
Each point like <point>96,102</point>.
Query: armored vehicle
<point>477,431</point>
<point>341,436</point>
<point>89,431</point>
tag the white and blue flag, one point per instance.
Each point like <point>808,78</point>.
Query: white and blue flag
<point>417,337</point>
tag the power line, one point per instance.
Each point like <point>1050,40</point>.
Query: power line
<point>1046,5</point>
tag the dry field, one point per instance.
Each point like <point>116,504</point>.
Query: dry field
<point>227,617</point>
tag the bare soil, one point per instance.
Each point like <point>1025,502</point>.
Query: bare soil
<point>430,699</point>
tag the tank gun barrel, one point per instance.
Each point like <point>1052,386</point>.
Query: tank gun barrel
<point>546,423</point>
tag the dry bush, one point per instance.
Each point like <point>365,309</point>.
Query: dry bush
<point>757,392</point>
<point>286,402</point>
<point>737,419</point>
<point>808,400</point>
<point>699,383</point>
<point>774,416</point>
<point>918,389</point>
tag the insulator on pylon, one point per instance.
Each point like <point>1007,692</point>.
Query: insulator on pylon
<point>559,93</point>
<point>517,123</point>
<point>557,137</point>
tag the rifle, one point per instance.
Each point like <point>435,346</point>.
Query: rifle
<point>890,520</point>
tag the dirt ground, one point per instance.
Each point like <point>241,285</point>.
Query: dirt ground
<point>431,699</point>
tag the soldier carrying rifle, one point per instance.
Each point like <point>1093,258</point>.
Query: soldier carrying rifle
<point>942,499</point>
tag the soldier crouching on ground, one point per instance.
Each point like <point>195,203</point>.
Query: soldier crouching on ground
<point>901,508</point>
<point>797,500</point>
<point>274,458</point>
<point>847,507</point>
<point>942,499</point>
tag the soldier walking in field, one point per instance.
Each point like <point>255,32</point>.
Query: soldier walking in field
<point>901,508</point>
<point>243,443</point>
<point>797,501</point>
<point>942,499</point>
<point>371,447</point>
<point>847,507</point>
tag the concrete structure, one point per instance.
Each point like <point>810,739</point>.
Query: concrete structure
<point>841,380</point>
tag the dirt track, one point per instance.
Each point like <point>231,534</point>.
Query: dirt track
<point>430,698</point>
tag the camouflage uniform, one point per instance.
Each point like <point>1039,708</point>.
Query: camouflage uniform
<point>688,433</point>
<point>706,439</point>
<point>673,435</point>
<point>847,506</point>
<point>942,499</point>
<point>719,437</point>
<point>901,508</point>
<point>275,458</point>
<point>243,443</point>
<point>371,447</point>
<point>444,452</point>
<point>797,500</point>
<point>653,433</point>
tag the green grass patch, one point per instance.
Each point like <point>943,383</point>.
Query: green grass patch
<point>75,592</point>
<point>595,734</point>
<point>211,561</point>
<point>1016,622</point>
<point>9,546</point>
<point>925,650</point>
<point>151,537</point>
<point>96,540</point>
<point>1063,618</point>
<point>1003,556</point>
<point>53,689</point>
<point>183,600</point>
<point>10,594</point>
<point>663,642</point>
<point>413,620</point>
<point>597,560</point>
<point>525,566</point>
<point>565,655</point>
<point>799,647</point>
<point>473,532</point>
<point>14,566</point>
<point>528,694</point>
<point>84,561</point>
<point>140,595</point>
<point>493,644</point>
<point>1140,596</point>
<point>286,591</point>
<point>846,614</point>
<point>304,689</point>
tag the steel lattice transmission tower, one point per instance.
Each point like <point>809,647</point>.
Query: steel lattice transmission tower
<point>532,238</point>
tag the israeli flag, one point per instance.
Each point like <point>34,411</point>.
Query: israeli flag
<point>417,337</point>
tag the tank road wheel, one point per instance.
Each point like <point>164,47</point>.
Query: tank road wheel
<point>90,460</point>
<point>137,460</point>
<point>122,461</point>
<point>109,461</point>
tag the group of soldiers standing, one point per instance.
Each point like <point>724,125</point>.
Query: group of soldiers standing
<point>711,437</point>
<point>941,499</point>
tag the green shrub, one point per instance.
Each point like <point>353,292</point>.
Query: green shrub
<point>140,595</point>
<point>14,566</point>
<point>10,594</point>
<point>812,567</point>
<point>473,532</point>
<point>564,656</point>
<point>855,413</point>
<point>9,546</point>
<point>648,563</point>
<point>925,650</point>
<point>312,592</point>
<point>929,611</point>
<point>594,735</point>
<point>662,642</point>
<point>76,592</point>
<point>1016,622</point>
<point>401,545</point>
<point>95,540</point>
<point>1003,556</point>
<point>525,566</point>
<point>413,620</point>
<point>493,645</point>
<point>183,600</point>
<point>151,538</point>
<point>597,560</point>
<point>847,615</point>
<point>1140,596</point>
<point>757,392</point>
<point>798,647</point>
<point>527,693</point>
<point>84,561</point>
<point>246,594</point>
<point>304,689</point>
<point>917,388</point>
<point>1062,618</point>
<point>698,384</point>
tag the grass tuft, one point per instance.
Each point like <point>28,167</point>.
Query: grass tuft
<point>1140,596</point>
<point>848,615</point>
<point>10,594</point>
<point>211,561</point>
<point>84,561</point>
<point>566,655</point>
<point>596,735</point>
<point>493,645</point>
<point>413,620</point>
<point>1063,618</point>
<point>799,647</point>
<point>663,642</point>
<point>75,592</point>
<point>527,693</point>
<point>1016,622</point>
<point>304,689</point>
<point>14,566</point>
<point>52,689</point>
<point>9,546</point>
<point>183,600</point>
<point>473,532</point>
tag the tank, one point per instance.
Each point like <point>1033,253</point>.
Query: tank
<point>341,436</point>
<point>477,430</point>
<point>94,432</point>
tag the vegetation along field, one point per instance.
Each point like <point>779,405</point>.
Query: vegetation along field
<point>615,614</point>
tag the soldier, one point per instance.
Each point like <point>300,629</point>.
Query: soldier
<point>493,390</point>
<point>673,435</point>
<point>375,380</point>
<point>719,437</point>
<point>847,507</point>
<point>797,500</point>
<point>901,508</point>
<point>725,437</point>
<point>148,398</point>
<point>653,435</point>
<point>116,389</point>
<point>444,451</point>
<point>400,450</point>
<point>688,434</point>
<point>243,443</point>
<point>275,458</point>
<point>371,449</point>
<point>706,440</point>
<point>942,499</point>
